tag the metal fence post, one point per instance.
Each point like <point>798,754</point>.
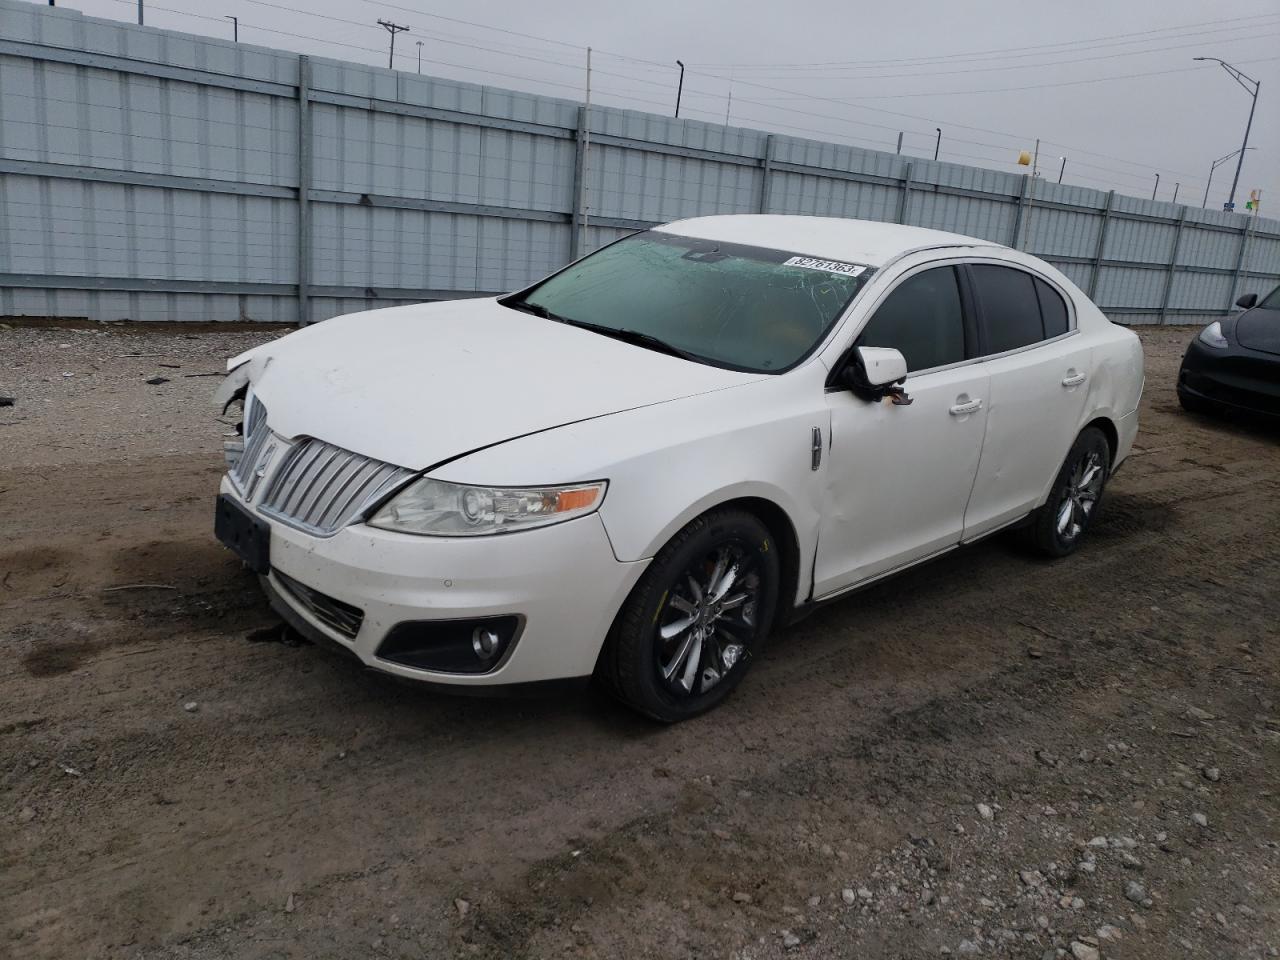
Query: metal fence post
<point>1102,243</point>
<point>1240,259</point>
<point>304,189</point>
<point>579,159</point>
<point>1017,216</point>
<point>904,198</point>
<point>766,169</point>
<point>1173,263</point>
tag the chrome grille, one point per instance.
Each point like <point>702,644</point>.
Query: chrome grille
<point>320,488</point>
<point>255,438</point>
<point>340,617</point>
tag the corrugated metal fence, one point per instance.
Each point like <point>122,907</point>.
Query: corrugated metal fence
<point>152,175</point>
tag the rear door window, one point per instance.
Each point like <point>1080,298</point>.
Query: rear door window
<point>1010,307</point>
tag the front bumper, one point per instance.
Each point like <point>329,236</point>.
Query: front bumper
<point>1231,378</point>
<point>563,581</point>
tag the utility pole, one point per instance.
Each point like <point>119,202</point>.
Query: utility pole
<point>1031,199</point>
<point>1062,169</point>
<point>1176,185</point>
<point>586,154</point>
<point>679,87</point>
<point>1156,187</point>
<point>419,43</point>
<point>140,13</point>
<point>938,144</point>
<point>899,150</point>
<point>235,28</point>
<point>728,106</point>
<point>391,28</point>
<point>1244,80</point>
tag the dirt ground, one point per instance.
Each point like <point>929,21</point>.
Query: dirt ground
<point>990,756</point>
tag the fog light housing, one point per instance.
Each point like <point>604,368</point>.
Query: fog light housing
<point>478,645</point>
<point>486,643</point>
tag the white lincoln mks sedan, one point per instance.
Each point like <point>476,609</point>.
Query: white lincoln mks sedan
<point>637,467</point>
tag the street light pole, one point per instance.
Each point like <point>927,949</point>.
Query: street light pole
<point>419,43</point>
<point>140,13</point>
<point>1062,168</point>
<point>1214,166</point>
<point>937,143</point>
<point>1156,187</point>
<point>1244,80</point>
<point>235,28</point>
<point>1176,185</point>
<point>679,87</point>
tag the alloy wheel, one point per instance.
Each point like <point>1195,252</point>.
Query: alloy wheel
<point>708,620</point>
<point>1081,496</point>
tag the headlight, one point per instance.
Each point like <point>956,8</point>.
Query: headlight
<point>440,509</point>
<point>1211,336</point>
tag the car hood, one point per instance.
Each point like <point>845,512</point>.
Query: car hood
<point>421,384</point>
<point>1259,329</point>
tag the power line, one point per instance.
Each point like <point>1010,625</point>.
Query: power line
<point>1093,41</point>
<point>853,101</point>
<point>647,64</point>
<point>664,84</point>
<point>1023,86</point>
<point>355,46</point>
<point>862,78</point>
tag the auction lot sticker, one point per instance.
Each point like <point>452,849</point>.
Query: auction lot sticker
<point>828,266</point>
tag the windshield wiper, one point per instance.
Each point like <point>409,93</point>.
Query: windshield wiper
<point>646,340</point>
<point>537,309</point>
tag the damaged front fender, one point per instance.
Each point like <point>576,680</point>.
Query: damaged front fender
<point>233,387</point>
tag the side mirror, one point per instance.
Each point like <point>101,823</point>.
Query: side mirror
<point>1248,301</point>
<point>873,373</point>
<point>881,366</point>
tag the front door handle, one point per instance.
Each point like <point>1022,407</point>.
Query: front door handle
<point>1074,379</point>
<point>970,406</point>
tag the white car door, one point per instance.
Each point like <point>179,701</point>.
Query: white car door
<point>898,477</point>
<point>1040,368</point>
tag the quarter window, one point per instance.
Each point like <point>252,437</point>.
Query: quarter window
<point>1053,309</point>
<point>1010,308</point>
<point>923,319</point>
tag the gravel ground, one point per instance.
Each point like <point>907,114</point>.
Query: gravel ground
<point>989,756</point>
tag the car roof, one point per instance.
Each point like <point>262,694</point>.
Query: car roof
<point>831,238</point>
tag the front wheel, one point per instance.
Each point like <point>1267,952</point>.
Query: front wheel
<point>1057,528</point>
<point>688,631</point>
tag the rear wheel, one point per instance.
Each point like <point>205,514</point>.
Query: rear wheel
<point>688,631</point>
<point>1057,528</point>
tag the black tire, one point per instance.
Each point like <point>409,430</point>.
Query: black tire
<point>1055,532</point>
<point>728,634</point>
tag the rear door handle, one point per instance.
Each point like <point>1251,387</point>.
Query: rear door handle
<point>960,409</point>
<point>1075,379</point>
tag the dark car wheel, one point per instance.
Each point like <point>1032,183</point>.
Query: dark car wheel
<point>688,631</point>
<point>1057,528</point>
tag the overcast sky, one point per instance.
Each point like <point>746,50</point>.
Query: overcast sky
<point>993,75</point>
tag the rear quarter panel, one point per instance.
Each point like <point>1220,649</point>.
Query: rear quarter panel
<point>1117,380</point>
